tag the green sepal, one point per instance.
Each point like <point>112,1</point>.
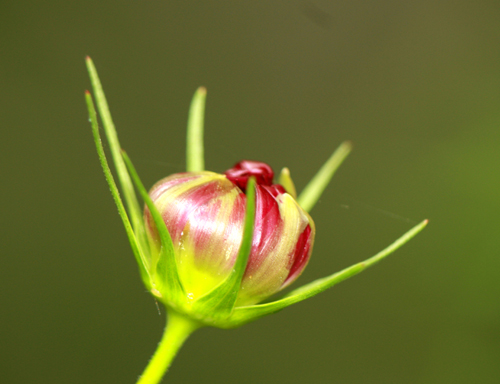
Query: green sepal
<point>219,302</point>
<point>127,187</point>
<point>242,315</point>
<point>166,279</point>
<point>194,152</point>
<point>141,259</point>
<point>286,181</point>
<point>313,190</point>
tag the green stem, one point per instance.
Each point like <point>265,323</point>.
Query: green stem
<point>177,331</point>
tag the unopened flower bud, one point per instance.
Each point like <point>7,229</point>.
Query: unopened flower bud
<point>204,213</point>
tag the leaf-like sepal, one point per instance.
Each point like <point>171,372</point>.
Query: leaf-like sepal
<point>286,181</point>
<point>137,249</point>
<point>242,315</point>
<point>219,302</point>
<point>127,187</point>
<point>166,283</point>
<point>313,190</point>
<point>194,152</point>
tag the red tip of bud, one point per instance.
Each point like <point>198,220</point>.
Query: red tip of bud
<point>87,92</point>
<point>242,171</point>
<point>87,58</point>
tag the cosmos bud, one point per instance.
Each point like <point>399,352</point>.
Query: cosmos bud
<point>204,213</point>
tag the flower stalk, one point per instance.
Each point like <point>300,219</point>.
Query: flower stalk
<point>178,329</point>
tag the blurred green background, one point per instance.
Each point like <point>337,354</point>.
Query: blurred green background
<point>414,85</point>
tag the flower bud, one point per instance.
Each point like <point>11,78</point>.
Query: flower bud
<point>204,213</point>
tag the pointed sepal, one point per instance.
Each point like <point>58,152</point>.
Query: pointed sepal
<point>242,315</point>
<point>137,249</point>
<point>313,190</point>
<point>286,181</point>
<point>219,303</point>
<point>194,152</point>
<point>127,187</point>
<point>166,283</point>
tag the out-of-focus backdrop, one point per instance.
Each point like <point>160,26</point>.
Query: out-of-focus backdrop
<point>414,85</point>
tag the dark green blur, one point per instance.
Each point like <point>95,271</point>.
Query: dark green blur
<point>414,85</point>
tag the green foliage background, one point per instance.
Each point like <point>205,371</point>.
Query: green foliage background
<point>415,86</point>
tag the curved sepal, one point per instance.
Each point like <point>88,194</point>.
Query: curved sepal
<point>313,190</point>
<point>166,282</point>
<point>140,257</point>
<point>219,302</point>
<point>242,315</point>
<point>127,187</point>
